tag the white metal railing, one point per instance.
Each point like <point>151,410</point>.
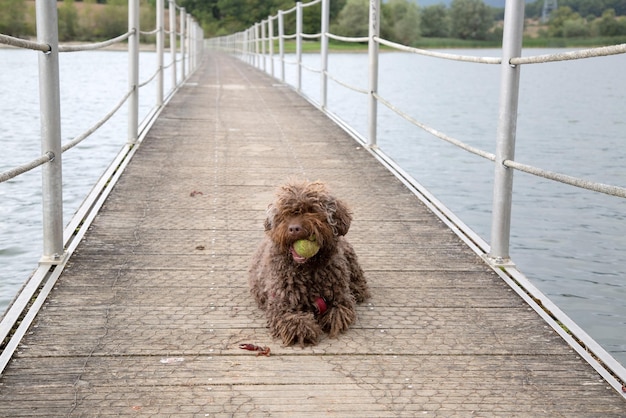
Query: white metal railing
<point>255,46</point>
<point>188,34</point>
<point>252,48</point>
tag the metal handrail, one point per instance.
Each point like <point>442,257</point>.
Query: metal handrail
<point>57,244</point>
<point>602,51</point>
<point>435,54</point>
<point>43,47</point>
<point>250,47</point>
<point>23,43</point>
<point>580,54</point>
<point>96,45</point>
<point>80,138</point>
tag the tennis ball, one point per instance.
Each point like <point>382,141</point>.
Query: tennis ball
<point>305,248</point>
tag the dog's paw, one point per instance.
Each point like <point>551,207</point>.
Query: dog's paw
<point>361,293</point>
<point>337,319</point>
<point>296,328</point>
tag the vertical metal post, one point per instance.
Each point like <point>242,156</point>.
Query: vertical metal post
<point>192,43</point>
<point>270,30</point>
<point>374,31</point>
<point>299,43</point>
<point>257,47</point>
<point>133,70</point>
<point>197,44</point>
<point>160,42</point>
<point>50,108</point>
<point>172,15</point>
<point>263,38</point>
<point>244,49</point>
<point>188,40</point>
<point>507,122</point>
<point>248,44</point>
<point>324,53</point>
<point>281,44</point>
<point>183,15</point>
<point>253,46</point>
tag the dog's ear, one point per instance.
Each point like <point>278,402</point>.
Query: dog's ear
<point>269,220</point>
<point>341,217</point>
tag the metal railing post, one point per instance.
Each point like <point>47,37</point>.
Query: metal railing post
<point>160,40</point>
<point>172,16</point>
<point>254,48</point>
<point>189,37</point>
<point>191,43</point>
<point>183,15</point>
<point>374,32</point>
<point>270,30</point>
<point>281,44</point>
<point>196,45</point>
<point>299,44</point>
<point>505,146</point>
<point>133,70</point>
<point>244,45</point>
<point>50,108</point>
<point>263,38</point>
<point>257,48</point>
<point>324,52</point>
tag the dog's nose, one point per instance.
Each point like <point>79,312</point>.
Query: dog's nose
<point>295,229</point>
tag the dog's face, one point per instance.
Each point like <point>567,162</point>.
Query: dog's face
<point>305,210</point>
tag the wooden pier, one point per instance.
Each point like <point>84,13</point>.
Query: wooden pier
<point>147,318</point>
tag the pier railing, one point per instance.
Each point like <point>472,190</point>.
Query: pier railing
<point>256,46</point>
<point>186,40</point>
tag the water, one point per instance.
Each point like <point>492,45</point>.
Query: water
<point>92,83</point>
<point>569,242</point>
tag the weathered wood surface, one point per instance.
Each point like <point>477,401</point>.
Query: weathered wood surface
<point>147,318</point>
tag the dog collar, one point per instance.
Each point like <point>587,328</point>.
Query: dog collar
<point>321,305</point>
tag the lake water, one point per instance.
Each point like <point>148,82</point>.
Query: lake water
<point>92,83</point>
<point>569,242</point>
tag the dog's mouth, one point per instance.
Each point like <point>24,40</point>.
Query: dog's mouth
<point>296,257</point>
<point>303,249</point>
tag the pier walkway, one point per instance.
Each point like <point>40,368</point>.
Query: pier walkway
<point>147,317</point>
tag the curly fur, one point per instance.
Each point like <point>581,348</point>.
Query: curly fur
<point>286,286</point>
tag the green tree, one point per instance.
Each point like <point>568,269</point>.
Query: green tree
<point>68,21</point>
<point>558,18</point>
<point>147,19</point>
<point>583,7</point>
<point>401,21</point>
<point>435,22</point>
<point>470,19</point>
<point>353,20</point>
<point>534,9</point>
<point>88,20</point>
<point>229,16</point>
<point>13,17</point>
<point>311,22</point>
<point>609,24</point>
<point>112,21</point>
<point>576,28</point>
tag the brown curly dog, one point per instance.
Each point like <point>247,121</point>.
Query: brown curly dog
<point>304,297</point>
